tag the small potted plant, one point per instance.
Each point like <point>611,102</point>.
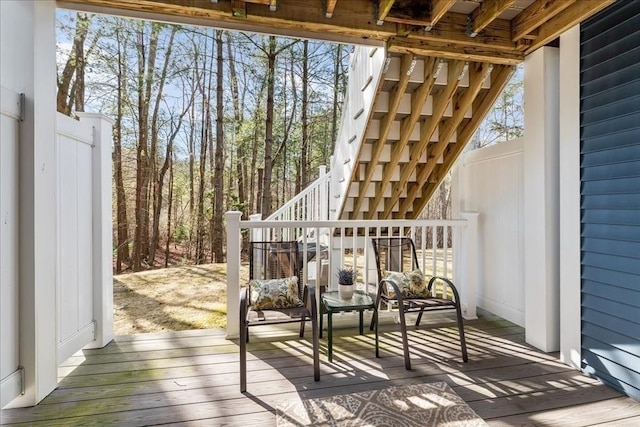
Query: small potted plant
<point>346,277</point>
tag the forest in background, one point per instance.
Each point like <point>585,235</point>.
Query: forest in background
<point>208,121</point>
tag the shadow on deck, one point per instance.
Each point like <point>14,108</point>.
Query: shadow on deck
<point>192,377</point>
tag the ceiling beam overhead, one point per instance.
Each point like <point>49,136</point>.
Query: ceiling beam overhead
<point>569,17</point>
<point>484,14</point>
<point>427,127</point>
<point>535,15</point>
<point>452,28</point>
<point>476,53</point>
<point>438,10</point>
<point>331,5</point>
<point>384,6</point>
<point>406,66</point>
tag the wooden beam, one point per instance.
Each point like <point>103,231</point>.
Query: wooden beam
<point>293,18</point>
<point>395,96</point>
<point>456,51</point>
<point>427,127</point>
<point>535,15</point>
<point>384,6</point>
<point>571,16</point>
<point>484,14</point>
<point>331,5</point>
<point>452,28</point>
<point>481,106</point>
<point>419,96</point>
<point>438,10</point>
<point>238,8</point>
<point>477,74</point>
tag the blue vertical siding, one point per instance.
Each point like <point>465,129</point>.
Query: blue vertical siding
<point>610,195</point>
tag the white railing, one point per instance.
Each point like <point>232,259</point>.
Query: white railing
<point>347,243</point>
<point>311,204</point>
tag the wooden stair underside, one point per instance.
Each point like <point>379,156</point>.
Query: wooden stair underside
<point>426,111</point>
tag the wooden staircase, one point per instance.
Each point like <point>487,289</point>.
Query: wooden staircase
<point>425,111</point>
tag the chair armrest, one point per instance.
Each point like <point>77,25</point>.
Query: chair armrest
<point>396,291</point>
<point>448,282</point>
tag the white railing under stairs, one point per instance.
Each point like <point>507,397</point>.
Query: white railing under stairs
<point>311,204</point>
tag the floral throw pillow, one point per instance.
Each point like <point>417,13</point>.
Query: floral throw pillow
<point>274,294</point>
<point>412,284</point>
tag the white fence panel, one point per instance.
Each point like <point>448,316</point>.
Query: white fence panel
<point>75,216</point>
<point>10,375</point>
<point>491,182</point>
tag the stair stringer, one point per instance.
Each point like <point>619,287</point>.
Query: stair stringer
<point>365,74</point>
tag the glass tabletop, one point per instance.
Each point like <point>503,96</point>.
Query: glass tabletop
<point>332,300</point>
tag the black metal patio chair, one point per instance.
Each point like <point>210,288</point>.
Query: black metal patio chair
<point>402,283</point>
<point>274,295</point>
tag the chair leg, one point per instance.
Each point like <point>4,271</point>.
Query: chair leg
<point>243,356</point>
<point>374,319</point>
<point>419,317</point>
<point>302,328</point>
<point>405,340</point>
<point>463,342</point>
<point>316,348</point>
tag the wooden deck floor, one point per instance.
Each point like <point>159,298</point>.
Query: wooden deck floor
<point>191,378</point>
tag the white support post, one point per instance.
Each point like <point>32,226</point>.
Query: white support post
<point>234,243</point>
<point>570,322</point>
<point>102,228</point>
<point>28,65</point>
<point>468,270</point>
<point>541,189</point>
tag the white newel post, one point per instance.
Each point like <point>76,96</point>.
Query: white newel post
<point>323,200</point>
<point>256,233</point>
<point>234,243</point>
<point>468,269</point>
<point>102,228</point>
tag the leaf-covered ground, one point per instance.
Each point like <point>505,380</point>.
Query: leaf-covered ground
<point>171,299</point>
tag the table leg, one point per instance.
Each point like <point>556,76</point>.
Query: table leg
<point>361,321</point>
<point>321,316</point>
<point>329,337</point>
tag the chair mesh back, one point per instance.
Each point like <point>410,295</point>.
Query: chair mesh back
<point>274,260</point>
<point>394,254</point>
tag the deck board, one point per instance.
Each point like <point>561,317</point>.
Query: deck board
<point>191,377</point>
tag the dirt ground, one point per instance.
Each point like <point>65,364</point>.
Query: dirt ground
<point>171,299</point>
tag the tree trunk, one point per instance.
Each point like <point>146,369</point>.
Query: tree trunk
<point>122,226</point>
<point>146,67</point>
<point>268,130</point>
<point>65,97</point>
<point>304,171</point>
<point>218,176</point>
<point>159,176</point>
<point>169,206</point>
<point>237,128</point>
